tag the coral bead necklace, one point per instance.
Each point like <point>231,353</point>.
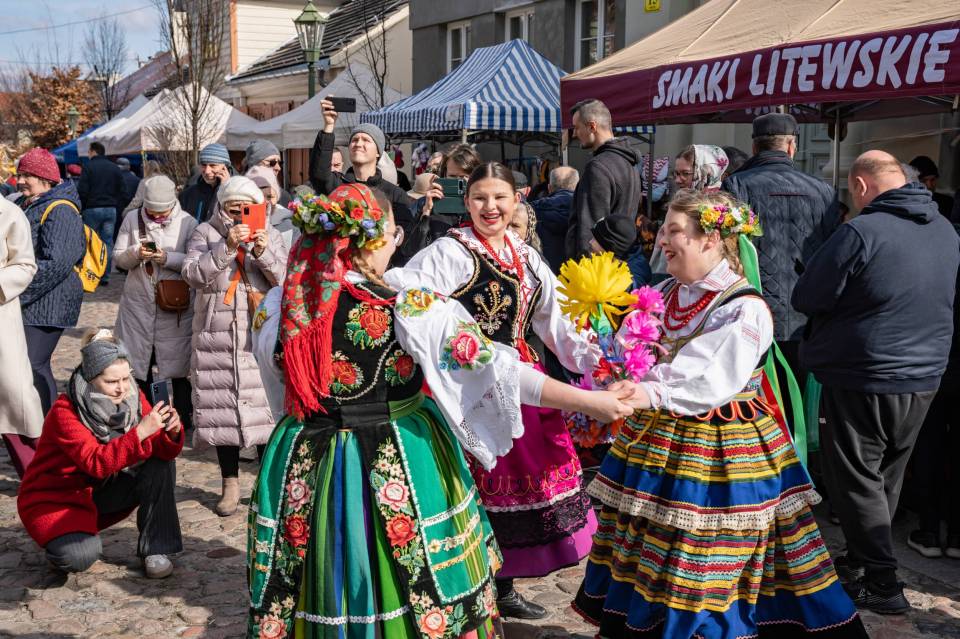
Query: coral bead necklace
<point>676,316</point>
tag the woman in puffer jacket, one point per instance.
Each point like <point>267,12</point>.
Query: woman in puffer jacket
<point>230,275</point>
<point>151,247</point>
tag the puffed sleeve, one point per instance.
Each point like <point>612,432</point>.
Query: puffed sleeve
<point>711,369</point>
<point>478,384</point>
<point>444,267</point>
<point>573,349</point>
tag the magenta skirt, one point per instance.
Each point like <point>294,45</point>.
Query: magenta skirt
<point>534,497</point>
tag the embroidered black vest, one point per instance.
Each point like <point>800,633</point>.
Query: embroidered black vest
<point>493,298</point>
<point>368,363</point>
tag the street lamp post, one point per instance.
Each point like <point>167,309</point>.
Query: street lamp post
<point>310,25</point>
<point>73,119</point>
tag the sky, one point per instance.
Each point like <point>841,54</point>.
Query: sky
<point>42,45</point>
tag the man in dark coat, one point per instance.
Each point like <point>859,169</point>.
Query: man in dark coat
<point>798,213</point>
<point>553,214</point>
<point>880,297</point>
<point>928,174</point>
<point>610,183</point>
<point>200,198</point>
<point>366,146</point>
<point>101,188</point>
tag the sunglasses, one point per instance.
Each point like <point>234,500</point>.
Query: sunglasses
<point>273,163</point>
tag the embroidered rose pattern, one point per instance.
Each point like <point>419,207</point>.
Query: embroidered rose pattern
<point>368,326</point>
<point>437,622</point>
<point>347,376</point>
<point>468,348</point>
<point>272,627</point>
<point>390,485</point>
<point>298,493</point>
<point>399,368</point>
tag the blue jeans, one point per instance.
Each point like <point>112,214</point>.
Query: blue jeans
<point>102,220</point>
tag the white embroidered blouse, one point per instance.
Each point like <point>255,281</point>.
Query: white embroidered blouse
<point>445,266</point>
<point>712,368</point>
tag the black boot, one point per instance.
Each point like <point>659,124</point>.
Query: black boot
<point>514,605</point>
<point>876,598</point>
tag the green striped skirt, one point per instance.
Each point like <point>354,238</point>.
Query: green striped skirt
<point>364,523</point>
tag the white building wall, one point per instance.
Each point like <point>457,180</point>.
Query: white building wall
<point>263,25</point>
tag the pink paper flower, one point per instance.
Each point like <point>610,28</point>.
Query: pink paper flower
<point>638,362</point>
<point>639,328</point>
<point>649,300</point>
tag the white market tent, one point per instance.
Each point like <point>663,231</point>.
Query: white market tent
<point>298,128</point>
<point>161,125</point>
<point>83,143</point>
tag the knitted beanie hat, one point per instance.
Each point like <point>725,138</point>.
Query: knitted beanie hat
<point>159,193</point>
<point>41,163</point>
<point>379,139</point>
<point>101,352</point>
<point>259,150</point>
<point>215,154</point>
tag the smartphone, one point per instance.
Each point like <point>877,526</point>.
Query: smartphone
<point>254,216</point>
<point>160,392</point>
<point>150,246</point>
<point>344,105</point>
<point>453,191</point>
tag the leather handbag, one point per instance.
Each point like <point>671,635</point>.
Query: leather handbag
<point>172,296</point>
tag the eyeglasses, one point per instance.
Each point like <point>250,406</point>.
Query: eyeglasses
<point>273,163</point>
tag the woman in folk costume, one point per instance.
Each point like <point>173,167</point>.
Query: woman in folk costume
<point>365,521</point>
<point>534,496</point>
<point>706,529</point>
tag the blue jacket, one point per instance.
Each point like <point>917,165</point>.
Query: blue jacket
<point>101,184</point>
<point>55,294</point>
<point>880,297</point>
<point>553,218</point>
<point>798,212</point>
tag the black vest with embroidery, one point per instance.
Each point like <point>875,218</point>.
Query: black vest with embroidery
<point>368,363</point>
<point>493,298</point>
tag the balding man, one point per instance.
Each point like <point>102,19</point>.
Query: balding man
<point>553,214</point>
<point>610,184</point>
<point>880,297</point>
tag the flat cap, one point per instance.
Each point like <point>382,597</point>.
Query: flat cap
<point>775,124</point>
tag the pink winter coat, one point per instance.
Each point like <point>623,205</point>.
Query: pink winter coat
<point>230,407</point>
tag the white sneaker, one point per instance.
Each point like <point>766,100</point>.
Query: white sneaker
<point>157,566</point>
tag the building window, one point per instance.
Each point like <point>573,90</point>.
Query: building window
<point>596,25</point>
<point>458,44</point>
<point>518,24</point>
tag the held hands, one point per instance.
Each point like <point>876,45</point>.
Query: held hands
<point>607,406</point>
<point>631,393</point>
<point>237,236</point>
<point>435,192</point>
<point>329,115</point>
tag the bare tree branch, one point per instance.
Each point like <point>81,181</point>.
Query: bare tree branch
<point>105,51</point>
<point>374,50</point>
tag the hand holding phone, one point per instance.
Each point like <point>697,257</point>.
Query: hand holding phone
<point>159,392</point>
<point>150,246</point>
<point>254,216</point>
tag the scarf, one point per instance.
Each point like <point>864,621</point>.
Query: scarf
<point>99,414</point>
<point>709,163</point>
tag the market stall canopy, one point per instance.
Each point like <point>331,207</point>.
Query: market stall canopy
<point>507,87</point>
<point>162,125</point>
<point>730,60</point>
<point>298,128</point>
<point>83,142</point>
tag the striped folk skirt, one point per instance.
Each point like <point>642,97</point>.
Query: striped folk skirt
<point>706,531</point>
<point>366,524</point>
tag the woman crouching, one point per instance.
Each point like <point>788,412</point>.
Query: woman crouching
<point>103,452</point>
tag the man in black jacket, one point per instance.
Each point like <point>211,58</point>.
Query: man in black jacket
<point>366,147</point>
<point>553,214</point>
<point>101,188</point>
<point>610,183</point>
<point>798,213</point>
<point>200,198</point>
<point>880,297</point>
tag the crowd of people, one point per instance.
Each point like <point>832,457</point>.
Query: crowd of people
<point>402,373</point>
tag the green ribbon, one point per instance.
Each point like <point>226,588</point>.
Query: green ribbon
<point>751,270</point>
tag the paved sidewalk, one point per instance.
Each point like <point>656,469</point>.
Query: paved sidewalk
<point>206,595</point>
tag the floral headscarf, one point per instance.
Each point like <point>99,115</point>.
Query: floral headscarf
<point>709,163</point>
<point>333,228</point>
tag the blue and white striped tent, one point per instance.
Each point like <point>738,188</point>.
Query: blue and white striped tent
<point>507,87</point>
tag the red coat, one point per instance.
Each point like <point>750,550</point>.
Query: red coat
<point>56,494</point>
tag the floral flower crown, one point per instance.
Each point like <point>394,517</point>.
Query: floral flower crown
<point>730,220</point>
<point>348,212</point>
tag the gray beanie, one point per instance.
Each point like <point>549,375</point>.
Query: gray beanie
<point>259,150</point>
<point>159,193</point>
<point>374,132</point>
<point>99,354</point>
<point>215,154</point>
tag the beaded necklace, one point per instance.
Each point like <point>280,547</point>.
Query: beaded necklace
<point>517,262</point>
<point>676,316</point>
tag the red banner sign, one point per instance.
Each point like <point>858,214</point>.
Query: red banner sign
<point>908,62</point>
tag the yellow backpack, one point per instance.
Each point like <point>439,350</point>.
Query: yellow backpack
<point>94,263</point>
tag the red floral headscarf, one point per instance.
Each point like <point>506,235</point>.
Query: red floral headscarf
<point>316,273</point>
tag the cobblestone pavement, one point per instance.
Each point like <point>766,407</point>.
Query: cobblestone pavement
<point>206,595</point>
